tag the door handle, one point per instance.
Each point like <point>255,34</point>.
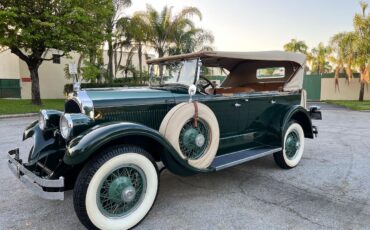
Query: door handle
<point>273,101</point>
<point>237,105</point>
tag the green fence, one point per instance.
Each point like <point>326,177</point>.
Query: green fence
<point>312,84</point>
<point>10,88</point>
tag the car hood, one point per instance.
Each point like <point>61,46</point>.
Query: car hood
<point>103,98</point>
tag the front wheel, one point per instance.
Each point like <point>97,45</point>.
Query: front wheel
<point>116,189</point>
<point>293,147</point>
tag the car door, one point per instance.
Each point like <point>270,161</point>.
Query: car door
<point>256,127</point>
<point>227,112</point>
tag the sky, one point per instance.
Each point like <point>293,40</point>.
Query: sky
<point>256,25</point>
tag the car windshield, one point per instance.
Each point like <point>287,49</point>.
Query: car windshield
<point>179,72</point>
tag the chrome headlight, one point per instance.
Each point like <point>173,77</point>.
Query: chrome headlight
<point>66,125</point>
<point>43,119</point>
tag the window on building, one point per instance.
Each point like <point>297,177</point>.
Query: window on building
<point>56,58</point>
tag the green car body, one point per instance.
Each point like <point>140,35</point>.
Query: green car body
<point>133,116</point>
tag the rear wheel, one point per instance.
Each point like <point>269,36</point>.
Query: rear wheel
<point>116,189</point>
<point>293,147</point>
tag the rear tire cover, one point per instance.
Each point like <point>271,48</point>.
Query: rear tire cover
<point>179,116</point>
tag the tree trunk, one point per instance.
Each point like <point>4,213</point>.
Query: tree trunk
<point>362,91</point>
<point>35,87</point>
<point>140,53</point>
<point>336,79</point>
<point>363,79</point>
<point>110,59</point>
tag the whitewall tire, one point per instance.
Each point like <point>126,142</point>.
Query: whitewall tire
<point>196,144</point>
<point>293,147</point>
<point>117,189</point>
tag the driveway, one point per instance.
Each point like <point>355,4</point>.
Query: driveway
<point>329,189</point>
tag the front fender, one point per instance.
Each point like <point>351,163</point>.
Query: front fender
<point>45,144</point>
<point>88,143</point>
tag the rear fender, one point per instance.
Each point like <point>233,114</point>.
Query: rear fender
<point>300,115</point>
<point>93,140</point>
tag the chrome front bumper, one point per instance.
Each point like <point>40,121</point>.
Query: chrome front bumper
<point>34,182</point>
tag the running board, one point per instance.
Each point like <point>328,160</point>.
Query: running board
<point>235,158</point>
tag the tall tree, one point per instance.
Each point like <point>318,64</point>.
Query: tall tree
<point>31,28</point>
<point>319,56</point>
<point>341,54</point>
<point>190,40</point>
<point>362,46</point>
<point>136,31</point>
<point>296,46</point>
<point>162,26</point>
<point>117,7</point>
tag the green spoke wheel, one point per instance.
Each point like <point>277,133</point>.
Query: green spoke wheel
<point>292,144</point>
<point>121,191</point>
<point>116,189</point>
<point>194,141</point>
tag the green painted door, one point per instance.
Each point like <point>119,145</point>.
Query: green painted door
<point>10,88</point>
<point>312,84</point>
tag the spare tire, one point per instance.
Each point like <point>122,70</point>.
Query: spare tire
<point>196,142</point>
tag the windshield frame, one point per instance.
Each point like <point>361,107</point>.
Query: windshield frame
<point>161,83</point>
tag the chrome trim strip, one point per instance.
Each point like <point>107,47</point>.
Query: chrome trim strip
<point>17,167</point>
<point>85,103</point>
<point>230,164</point>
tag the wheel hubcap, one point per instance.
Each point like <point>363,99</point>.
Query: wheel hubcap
<point>292,144</point>
<point>121,191</point>
<point>194,141</point>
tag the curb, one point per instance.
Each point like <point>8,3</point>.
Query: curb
<point>18,115</point>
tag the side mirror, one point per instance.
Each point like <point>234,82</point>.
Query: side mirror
<point>192,91</point>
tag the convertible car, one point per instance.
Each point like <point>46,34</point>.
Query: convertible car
<point>202,112</point>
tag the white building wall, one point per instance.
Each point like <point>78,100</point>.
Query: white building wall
<point>52,75</point>
<point>346,91</point>
<point>9,65</point>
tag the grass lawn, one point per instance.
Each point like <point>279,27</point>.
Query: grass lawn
<point>16,106</point>
<point>355,105</point>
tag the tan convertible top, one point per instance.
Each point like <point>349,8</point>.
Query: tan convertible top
<point>262,56</point>
<point>243,66</point>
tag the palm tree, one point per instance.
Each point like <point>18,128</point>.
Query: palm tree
<point>118,6</point>
<point>187,41</point>
<point>296,46</point>
<point>362,46</point>
<point>161,27</point>
<point>349,52</point>
<point>319,58</point>
<point>138,36</point>
<point>341,54</point>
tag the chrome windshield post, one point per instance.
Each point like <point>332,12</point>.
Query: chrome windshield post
<point>198,70</point>
<point>151,74</point>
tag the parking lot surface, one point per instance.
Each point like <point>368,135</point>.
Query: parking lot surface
<point>329,189</point>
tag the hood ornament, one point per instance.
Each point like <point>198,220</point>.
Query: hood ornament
<point>72,67</point>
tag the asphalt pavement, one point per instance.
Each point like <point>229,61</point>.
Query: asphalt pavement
<point>329,189</point>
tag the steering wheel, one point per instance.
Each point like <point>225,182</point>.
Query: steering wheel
<point>204,83</point>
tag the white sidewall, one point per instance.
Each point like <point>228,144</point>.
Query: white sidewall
<point>294,162</point>
<point>126,222</point>
<point>175,120</point>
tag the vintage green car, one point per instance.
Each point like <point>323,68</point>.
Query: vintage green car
<point>108,144</point>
